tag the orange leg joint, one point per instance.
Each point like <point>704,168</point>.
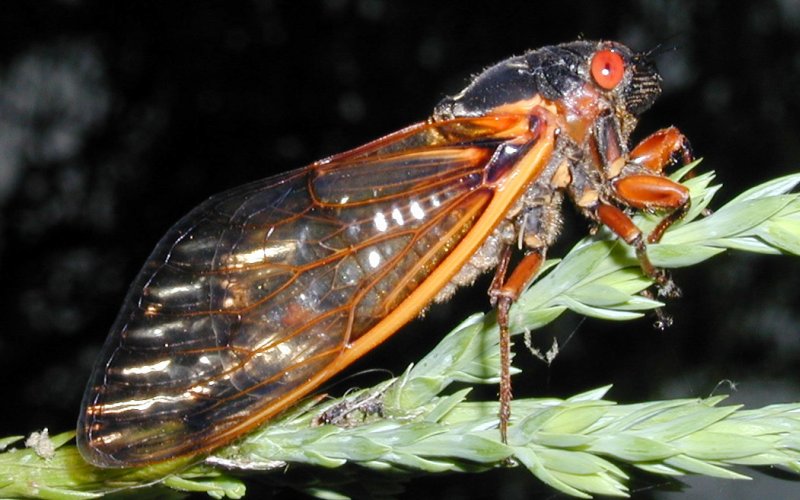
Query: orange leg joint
<point>651,191</point>
<point>619,222</point>
<point>657,150</point>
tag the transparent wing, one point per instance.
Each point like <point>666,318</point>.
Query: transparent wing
<point>260,288</point>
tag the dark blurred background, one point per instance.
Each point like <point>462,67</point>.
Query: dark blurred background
<point>117,118</point>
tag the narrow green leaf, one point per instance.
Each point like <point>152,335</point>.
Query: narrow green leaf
<point>762,459</point>
<point>600,313</point>
<point>660,468</point>
<point>746,244</point>
<point>416,462</point>
<point>774,187</point>
<point>351,447</point>
<point>574,418</point>
<point>444,405</point>
<point>418,390</point>
<point>719,446</point>
<point>221,487</point>
<point>674,425</point>
<point>523,318</point>
<point>633,448</point>
<point>315,458</point>
<point>628,280</point>
<point>635,417</point>
<point>469,447</point>
<point>531,460</point>
<point>575,462</point>
<point>600,484</point>
<point>743,427</point>
<point>667,255</point>
<point>681,172</point>
<point>691,465</point>
<point>595,294</point>
<point>730,220</point>
<point>325,494</point>
<point>639,303</point>
<point>399,434</point>
<point>561,440</point>
<point>591,395</point>
<point>784,234</point>
<point>700,202</point>
<point>584,260</point>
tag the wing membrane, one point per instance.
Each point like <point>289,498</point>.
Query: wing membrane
<point>259,289</point>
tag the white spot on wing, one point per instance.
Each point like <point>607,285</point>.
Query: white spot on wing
<point>380,222</point>
<point>145,369</point>
<point>263,254</point>
<point>416,210</point>
<point>166,292</point>
<point>137,405</point>
<point>374,259</point>
<point>397,216</point>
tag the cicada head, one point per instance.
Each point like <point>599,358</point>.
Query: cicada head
<point>608,72</point>
<point>644,86</point>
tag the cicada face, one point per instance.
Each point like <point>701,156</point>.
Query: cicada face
<point>263,292</point>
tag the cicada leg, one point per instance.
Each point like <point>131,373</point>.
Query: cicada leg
<point>504,292</point>
<point>654,153</point>
<point>654,192</point>
<point>619,222</point>
<point>650,191</point>
<point>658,149</point>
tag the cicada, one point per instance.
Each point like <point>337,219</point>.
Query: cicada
<point>263,292</point>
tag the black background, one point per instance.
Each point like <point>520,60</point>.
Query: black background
<point>117,118</point>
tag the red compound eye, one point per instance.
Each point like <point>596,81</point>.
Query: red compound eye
<point>607,68</point>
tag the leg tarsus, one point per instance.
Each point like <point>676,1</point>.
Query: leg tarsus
<point>663,281</point>
<point>663,320</point>
<point>503,305</point>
